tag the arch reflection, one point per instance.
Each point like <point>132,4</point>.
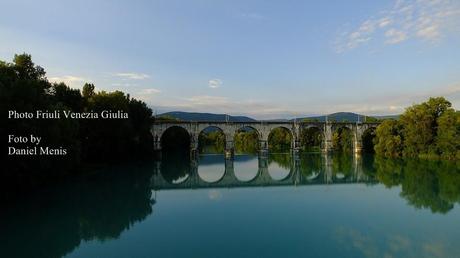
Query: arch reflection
<point>211,168</point>
<point>246,167</point>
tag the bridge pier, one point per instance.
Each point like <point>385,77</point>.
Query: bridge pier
<point>327,164</point>
<point>229,149</point>
<point>295,146</point>
<point>193,146</point>
<point>156,148</point>
<point>327,138</point>
<point>229,167</point>
<point>263,148</point>
<point>358,141</point>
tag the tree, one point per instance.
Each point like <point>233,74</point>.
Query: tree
<point>88,90</point>
<point>27,69</point>
<point>311,138</point>
<point>428,130</point>
<point>420,126</point>
<point>448,135</point>
<point>342,140</point>
<point>67,96</point>
<point>371,119</point>
<point>24,88</point>
<point>279,140</point>
<point>388,139</point>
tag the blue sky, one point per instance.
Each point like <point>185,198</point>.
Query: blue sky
<point>266,59</point>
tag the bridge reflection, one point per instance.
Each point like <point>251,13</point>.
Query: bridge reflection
<point>213,171</point>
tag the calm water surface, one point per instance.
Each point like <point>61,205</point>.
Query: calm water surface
<point>279,206</point>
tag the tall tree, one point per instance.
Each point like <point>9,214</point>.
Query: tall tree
<point>448,135</point>
<point>388,139</point>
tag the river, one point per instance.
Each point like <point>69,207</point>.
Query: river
<point>311,205</point>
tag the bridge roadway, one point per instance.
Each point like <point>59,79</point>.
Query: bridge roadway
<point>263,129</point>
<point>326,175</point>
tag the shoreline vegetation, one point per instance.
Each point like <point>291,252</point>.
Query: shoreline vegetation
<point>430,130</point>
<point>124,133</point>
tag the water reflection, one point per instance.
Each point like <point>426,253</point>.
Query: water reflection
<point>210,168</point>
<point>424,184</point>
<point>90,216</point>
<point>246,167</point>
<point>214,171</point>
<point>52,223</point>
<point>280,166</point>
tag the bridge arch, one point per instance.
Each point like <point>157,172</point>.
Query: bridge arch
<point>211,169</point>
<point>278,140</point>
<point>311,137</point>
<point>343,137</point>
<point>280,166</point>
<point>367,138</point>
<point>246,168</point>
<point>175,137</point>
<point>246,139</point>
<point>176,168</point>
<point>214,136</point>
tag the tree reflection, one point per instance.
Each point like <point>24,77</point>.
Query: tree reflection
<point>342,163</point>
<point>175,166</point>
<point>311,164</point>
<point>424,184</point>
<point>53,223</point>
<point>282,159</point>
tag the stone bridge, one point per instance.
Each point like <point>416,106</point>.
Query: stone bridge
<point>325,175</point>
<point>263,129</point>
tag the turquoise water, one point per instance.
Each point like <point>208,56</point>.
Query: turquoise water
<point>279,206</point>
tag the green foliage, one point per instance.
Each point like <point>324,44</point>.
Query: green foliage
<point>368,140</point>
<point>246,142</point>
<point>88,90</point>
<point>24,88</point>
<point>311,139</point>
<point>388,139</point>
<point>342,163</point>
<point>69,97</point>
<point>167,118</point>
<point>427,130</point>
<point>424,183</point>
<point>283,160</point>
<point>371,119</point>
<point>448,135</point>
<point>279,140</point>
<point>113,139</point>
<point>211,142</point>
<point>420,126</point>
<point>310,120</point>
<point>342,140</point>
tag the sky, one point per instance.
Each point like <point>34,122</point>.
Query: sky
<point>266,59</point>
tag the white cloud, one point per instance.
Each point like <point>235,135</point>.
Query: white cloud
<point>215,83</point>
<point>150,91</point>
<point>207,100</point>
<point>147,95</point>
<point>382,104</point>
<point>430,32</point>
<point>69,80</point>
<point>252,16</point>
<point>427,20</point>
<point>132,76</point>
<point>395,36</point>
<point>385,21</point>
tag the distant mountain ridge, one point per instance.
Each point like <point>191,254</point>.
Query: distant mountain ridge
<point>345,117</point>
<point>200,117</point>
